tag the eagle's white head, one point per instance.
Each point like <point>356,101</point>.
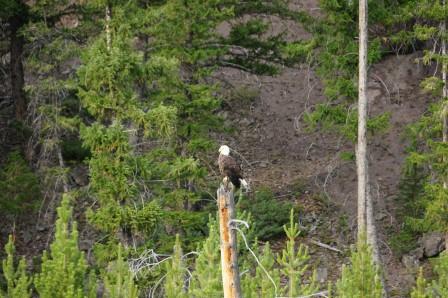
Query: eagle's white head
<point>224,150</point>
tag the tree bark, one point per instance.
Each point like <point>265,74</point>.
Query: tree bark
<point>444,94</point>
<point>361,152</point>
<point>17,76</point>
<point>108,33</point>
<point>370,226</point>
<point>372,239</point>
<point>366,220</point>
<point>445,107</point>
<point>229,258</point>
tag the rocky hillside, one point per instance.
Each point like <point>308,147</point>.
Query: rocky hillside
<point>312,167</point>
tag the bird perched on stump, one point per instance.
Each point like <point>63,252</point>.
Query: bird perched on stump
<point>230,169</point>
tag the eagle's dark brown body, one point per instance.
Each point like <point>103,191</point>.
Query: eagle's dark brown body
<point>231,169</point>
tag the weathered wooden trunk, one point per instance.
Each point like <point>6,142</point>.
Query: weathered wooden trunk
<point>229,257</point>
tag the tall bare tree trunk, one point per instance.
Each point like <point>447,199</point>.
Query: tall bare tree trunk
<point>444,94</point>
<point>370,225</point>
<point>445,107</point>
<point>366,219</point>
<point>108,19</point>
<point>361,152</point>
<point>17,76</point>
<point>372,238</point>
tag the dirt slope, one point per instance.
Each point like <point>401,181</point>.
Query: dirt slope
<point>279,153</point>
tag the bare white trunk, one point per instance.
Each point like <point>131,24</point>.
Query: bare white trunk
<point>108,33</point>
<point>366,219</point>
<point>372,239</point>
<point>444,94</point>
<point>361,152</point>
<point>445,107</point>
<point>370,226</point>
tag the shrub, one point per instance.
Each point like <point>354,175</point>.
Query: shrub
<point>268,214</point>
<point>362,278</point>
<point>17,281</point>
<point>64,269</point>
<point>19,186</point>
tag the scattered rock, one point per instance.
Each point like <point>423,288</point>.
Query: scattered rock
<point>224,115</point>
<point>41,228</point>
<point>411,262</point>
<point>264,164</point>
<point>433,244</point>
<point>80,175</point>
<point>380,216</point>
<point>27,237</point>
<point>418,253</point>
<point>322,274</point>
<point>245,122</point>
<point>85,245</point>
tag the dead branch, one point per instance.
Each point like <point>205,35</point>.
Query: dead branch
<point>323,245</point>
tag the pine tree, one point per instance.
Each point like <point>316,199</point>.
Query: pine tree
<point>17,281</point>
<point>440,285</point>
<point>361,278</point>
<point>260,284</point>
<point>268,286</point>
<point>421,288</point>
<point>293,263</point>
<point>119,280</point>
<point>176,271</point>
<point>430,132</point>
<point>108,81</point>
<point>207,280</point>
<point>19,186</point>
<point>64,268</point>
<point>56,31</point>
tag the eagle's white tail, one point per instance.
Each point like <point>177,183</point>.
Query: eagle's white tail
<point>244,184</point>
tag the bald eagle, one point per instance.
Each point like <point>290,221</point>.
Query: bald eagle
<point>230,169</point>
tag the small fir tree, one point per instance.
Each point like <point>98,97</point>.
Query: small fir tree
<point>440,285</point>
<point>260,284</point>
<point>19,186</point>
<point>429,135</point>
<point>175,277</point>
<point>361,278</point>
<point>421,287</point>
<point>267,286</point>
<point>293,262</point>
<point>207,279</point>
<point>17,281</point>
<point>119,280</point>
<point>64,269</point>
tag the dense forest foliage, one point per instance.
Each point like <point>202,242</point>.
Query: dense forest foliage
<point>114,120</point>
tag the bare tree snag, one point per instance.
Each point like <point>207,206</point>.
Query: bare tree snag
<point>366,219</point>
<point>108,20</point>
<point>445,107</point>
<point>361,152</point>
<point>444,93</point>
<point>17,75</point>
<point>372,238</point>
<point>229,257</point>
<point>370,226</point>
